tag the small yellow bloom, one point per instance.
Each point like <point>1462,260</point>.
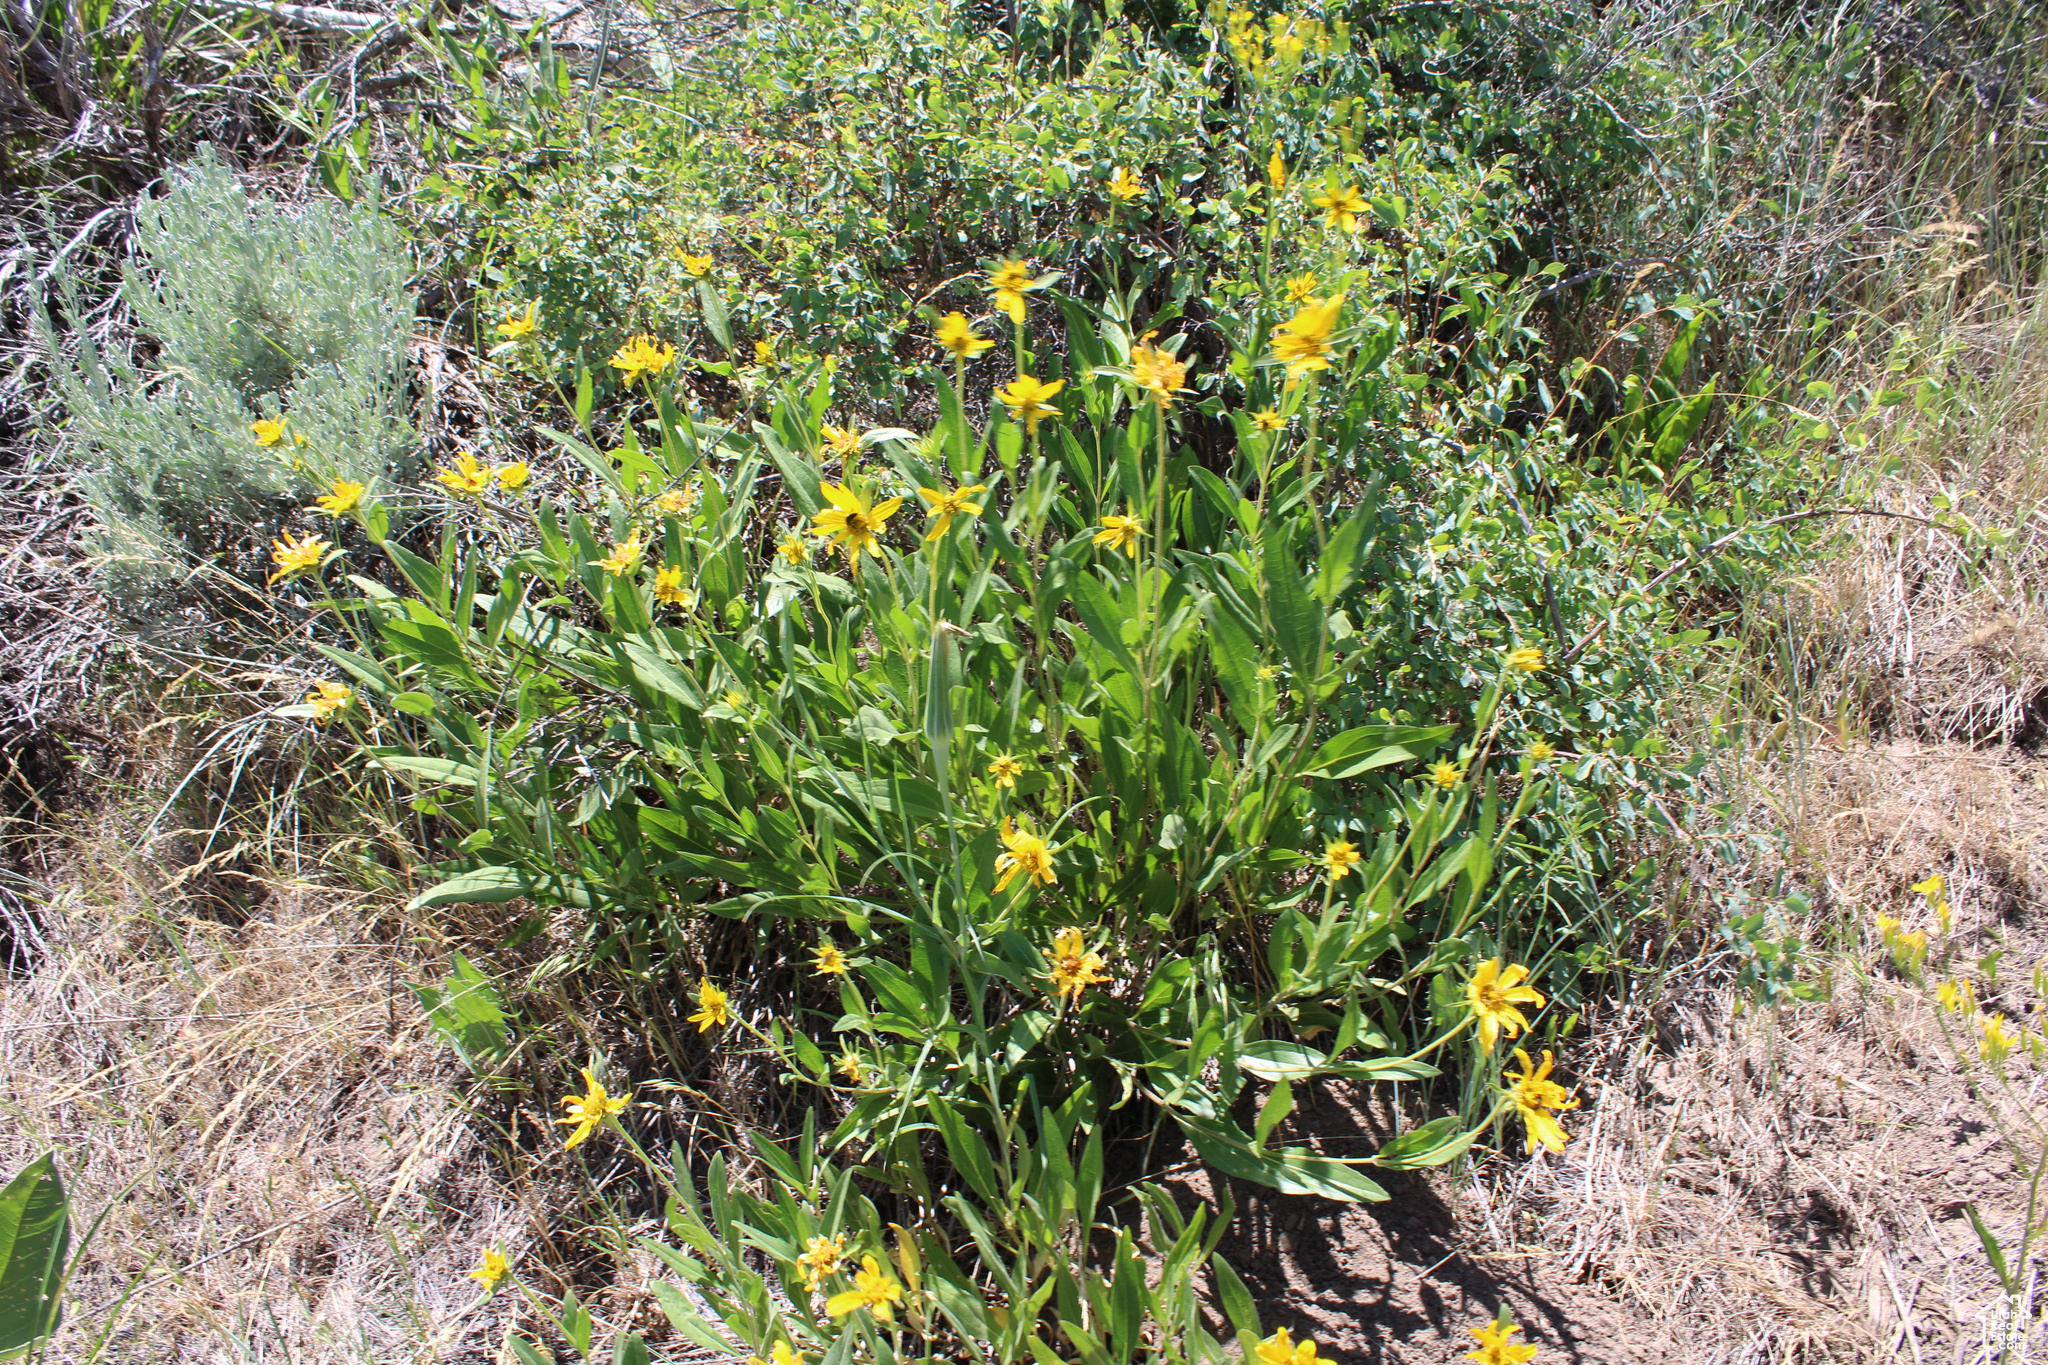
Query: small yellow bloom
<point>344,496</point>
<point>1268,673</point>
<point>1158,373</point>
<point>521,326</point>
<point>1072,967</point>
<point>1542,750</point>
<point>642,355</point>
<point>1276,171</point>
<point>1493,992</point>
<point>1124,186</point>
<point>1008,281</point>
<point>821,1257</point>
<point>956,335</point>
<point>698,266</point>
<point>1956,996</point>
<point>493,1269</point>
<point>296,556</point>
<point>1282,1349</point>
<point>624,558</point>
<point>512,476</point>
<point>1342,207</point>
<point>714,1009</point>
<point>829,961</point>
<point>948,504</point>
<point>872,1289</point>
<point>736,699</point>
<point>1535,1095</point>
<point>1006,769</point>
<point>1026,397</point>
<point>1265,419</point>
<point>842,442</point>
<point>1496,1349</point>
<point>1302,288</point>
<point>1887,928</point>
<point>852,522</point>
<point>1303,342</point>
<point>268,433</point>
<point>466,477</point>
<point>853,1068</point>
<point>1339,857</point>
<point>792,549</point>
<point>1527,659</point>
<point>1120,533</point>
<point>1932,888</point>
<point>781,1353</point>
<point>764,351</point>
<point>1025,853</point>
<point>668,587</point>
<point>1996,1042</point>
<point>327,698</point>
<point>586,1112</point>
<point>678,501</point>
<point>1446,775</point>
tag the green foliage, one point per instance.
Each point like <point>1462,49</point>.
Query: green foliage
<point>35,1234</point>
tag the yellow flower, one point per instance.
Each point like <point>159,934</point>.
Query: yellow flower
<point>1527,659</point>
<point>1268,673</point>
<point>1025,397</point>
<point>1125,186</point>
<point>779,1354</point>
<point>1446,775</point>
<point>1996,1042</point>
<point>829,961</point>
<point>764,351</point>
<point>851,522</point>
<point>1281,1349</point>
<point>1887,928</point>
<point>678,501</point>
<point>1535,1095</point>
<point>1157,372</point>
<point>1120,533</point>
<point>328,697</point>
<point>586,1112</point>
<point>1006,770</point>
<point>1493,993</point>
<point>853,1068</point>
<point>344,497</point>
<point>736,699</point>
<point>1542,750</point>
<point>1343,207</point>
<point>1265,419</point>
<point>1932,888</point>
<point>493,1269</point>
<point>956,335</point>
<point>821,1257</point>
<point>1339,857</point>
<point>642,355</point>
<point>792,549</point>
<point>1301,288</point>
<point>946,505</point>
<point>1071,966</point>
<point>513,475</point>
<point>466,477</point>
<point>668,587</point>
<point>1496,1349</point>
<point>520,327</point>
<point>1956,995</point>
<point>1302,342</point>
<point>624,558</point>
<point>713,1008</point>
<point>842,442</point>
<point>1009,281</point>
<point>268,433</point>
<point>1276,171</point>
<point>698,266</point>
<point>872,1290</point>
<point>294,556</point>
<point>1025,853</point>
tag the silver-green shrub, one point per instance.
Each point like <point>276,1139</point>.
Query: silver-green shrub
<point>244,312</point>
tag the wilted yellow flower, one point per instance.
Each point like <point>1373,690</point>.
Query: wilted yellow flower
<point>1276,171</point>
<point>295,556</point>
<point>843,442</point>
<point>1446,775</point>
<point>1996,1042</point>
<point>1072,967</point>
<point>1493,992</point>
<point>1006,770</point>
<point>697,266</point>
<point>642,355</point>
<point>851,522</point>
<point>1120,533</point>
<point>792,549</point>
<point>1339,857</point>
<point>713,1007</point>
<point>1265,419</point>
<point>1302,342</point>
<point>1496,1349</point>
<point>520,326</point>
<point>328,697</point>
<point>1125,186</point>
<point>1342,207</point>
<point>1301,288</point>
<point>948,504</point>
<point>586,1112</point>
<point>956,335</point>
<point>1157,372</point>
<point>853,1068</point>
<point>624,558</point>
<point>668,587</point>
<point>1025,853</point>
<point>466,476</point>
<point>1541,749</point>
<point>829,961</point>
<point>1025,397</point>
<point>268,433</point>
<point>872,1289</point>
<point>492,1269</point>
<point>1527,659</point>
<point>821,1257</point>
<point>513,475</point>
<point>1535,1095</point>
<point>1008,281</point>
<point>678,501</point>
<point>1281,1349</point>
<point>345,495</point>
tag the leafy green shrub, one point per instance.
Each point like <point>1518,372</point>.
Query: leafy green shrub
<point>250,316</point>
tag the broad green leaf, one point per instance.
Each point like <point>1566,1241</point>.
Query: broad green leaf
<point>35,1234</point>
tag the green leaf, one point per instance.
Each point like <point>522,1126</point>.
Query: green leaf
<point>1237,1300</point>
<point>1296,620</point>
<point>1339,565</point>
<point>529,1354</point>
<point>35,1234</point>
<point>1432,1144</point>
<point>969,1153</point>
<point>1992,1250</point>
<point>467,1010</point>
<point>1291,1171</point>
<point>413,703</point>
<point>715,321</point>
<point>631,1350</point>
